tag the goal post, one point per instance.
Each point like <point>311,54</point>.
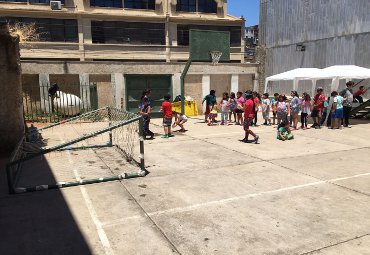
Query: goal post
<point>108,134</point>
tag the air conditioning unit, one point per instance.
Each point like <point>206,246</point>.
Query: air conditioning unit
<point>56,5</point>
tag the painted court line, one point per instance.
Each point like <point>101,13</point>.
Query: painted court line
<point>231,199</point>
<point>94,216</point>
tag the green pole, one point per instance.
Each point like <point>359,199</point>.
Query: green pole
<point>141,134</point>
<point>110,124</point>
<point>76,183</point>
<point>183,75</point>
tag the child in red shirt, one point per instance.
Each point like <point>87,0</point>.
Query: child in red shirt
<point>167,116</point>
<point>249,113</point>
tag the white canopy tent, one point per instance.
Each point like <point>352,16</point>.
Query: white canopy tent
<point>334,73</point>
<point>343,72</point>
<point>295,76</point>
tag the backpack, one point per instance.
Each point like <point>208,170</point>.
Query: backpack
<point>343,92</point>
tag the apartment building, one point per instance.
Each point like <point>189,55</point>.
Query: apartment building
<point>120,47</point>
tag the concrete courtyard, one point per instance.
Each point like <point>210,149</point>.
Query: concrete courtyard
<point>207,193</point>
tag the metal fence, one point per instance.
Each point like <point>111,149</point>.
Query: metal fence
<point>69,101</point>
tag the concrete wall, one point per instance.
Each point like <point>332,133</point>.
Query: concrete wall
<point>334,32</point>
<point>221,83</point>
<point>193,88</point>
<point>104,88</point>
<point>109,77</point>
<point>11,108</point>
<point>245,82</point>
<point>102,67</point>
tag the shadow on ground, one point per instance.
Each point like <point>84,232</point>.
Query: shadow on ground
<point>39,222</point>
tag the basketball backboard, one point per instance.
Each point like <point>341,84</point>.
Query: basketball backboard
<point>202,42</point>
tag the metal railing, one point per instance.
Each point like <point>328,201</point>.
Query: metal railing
<point>71,100</point>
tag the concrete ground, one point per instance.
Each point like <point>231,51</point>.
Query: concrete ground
<point>207,193</point>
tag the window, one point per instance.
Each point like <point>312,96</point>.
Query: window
<point>206,6</point>
<point>17,1</point>
<point>119,32</point>
<point>183,33</point>
<point>51,30</point>
<point>43,1</point>
<point>140,4</point>
<point>31,1</point>
<point>106,3</point>
<point>186,5</point>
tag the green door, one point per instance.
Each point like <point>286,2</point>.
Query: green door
<point>159,85</point>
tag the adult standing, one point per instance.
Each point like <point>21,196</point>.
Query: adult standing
<point>348,101</point>
<point>210,101</point>
<point>145,94</point>
<point>249,112</point>
<point>318,107</point>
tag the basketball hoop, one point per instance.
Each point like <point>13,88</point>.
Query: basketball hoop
<point>215,55</point>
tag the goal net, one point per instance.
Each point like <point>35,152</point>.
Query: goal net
<point>98,146</point>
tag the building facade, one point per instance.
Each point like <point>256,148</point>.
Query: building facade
<point>314,33</point>
<point>124,46</point>
<point>251,42</point>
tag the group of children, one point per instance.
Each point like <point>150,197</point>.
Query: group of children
<point>168,115</point>
<point>244,108</point>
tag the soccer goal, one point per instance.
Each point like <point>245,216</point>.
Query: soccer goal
<point>99,146</point>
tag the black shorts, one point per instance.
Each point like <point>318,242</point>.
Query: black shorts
<point>315,113</point>
<point>239,111</point>
<point>167,122</point>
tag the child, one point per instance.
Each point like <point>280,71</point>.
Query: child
<point>249,112</point>
<point>274,109</point>
<point>282,109</point>
<point>239,108</point>
<point>337,110</point>
<point>233,105</point>
<point>306,109</point>
<point>257,101</point>
<point>145,111</point>
<point>210,100</point>
<point>284,131</point>
<point>357,95</point>
<point>167,116</point>
<point>326,112</point>
<point>212,115</point>
<point>295,105</point>
<point>225,108</point>
<point>266,109</point>
<point>180,120</point>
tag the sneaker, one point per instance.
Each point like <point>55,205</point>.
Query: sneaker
<point>171,135</point>
<point>164,136</point>
<point>314,125</point>
<point>256,139</point>
<point>317,127</point>
<point>222,123</point>
<point>245,140</point>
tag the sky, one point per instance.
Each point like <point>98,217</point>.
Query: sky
<point>249,9</point>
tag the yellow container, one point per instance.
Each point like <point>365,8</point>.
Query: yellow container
<point>191,108</point>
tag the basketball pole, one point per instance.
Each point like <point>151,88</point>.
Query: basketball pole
<point>182,78</point>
